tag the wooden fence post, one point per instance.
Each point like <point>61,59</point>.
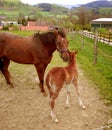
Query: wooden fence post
<point>82,40</point>
<point>109,38</point>
<point>95,46</point>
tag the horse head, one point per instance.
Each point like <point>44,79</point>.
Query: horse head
<point>62,44</point>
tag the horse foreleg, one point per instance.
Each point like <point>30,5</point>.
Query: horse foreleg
<point>5,71</point>
<point>41,71</point>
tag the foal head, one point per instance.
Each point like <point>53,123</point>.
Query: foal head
<point>62,44</point>
<point>72,57</point>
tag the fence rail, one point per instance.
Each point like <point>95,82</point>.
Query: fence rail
<point>104,38</point>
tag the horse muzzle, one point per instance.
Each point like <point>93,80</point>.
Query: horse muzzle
<point>65,55</point>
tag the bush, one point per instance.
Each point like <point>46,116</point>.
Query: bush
<point>103,30</point>
<point>6,27</point>
<point>15,27</point>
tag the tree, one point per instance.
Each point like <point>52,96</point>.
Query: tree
<point>82,15</point>
<point>24,22</point>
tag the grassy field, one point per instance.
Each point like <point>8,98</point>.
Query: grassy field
<point>14,13</point>
<point>99,73</point>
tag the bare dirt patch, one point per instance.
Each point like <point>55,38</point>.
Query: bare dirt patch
<point>25,108</point>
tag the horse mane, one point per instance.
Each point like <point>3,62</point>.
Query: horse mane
<point>49,37</point>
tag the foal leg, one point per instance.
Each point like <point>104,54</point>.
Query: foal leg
<point>5,71</point>
<point>78,94</point>
<point>68,96</point>
<point>52,103</point>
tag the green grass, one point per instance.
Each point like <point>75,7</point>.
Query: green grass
<point>99,73</point>
<point>21,33</point>
<point>14,13</point>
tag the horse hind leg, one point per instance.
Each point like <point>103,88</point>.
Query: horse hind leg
<point>4,63</point>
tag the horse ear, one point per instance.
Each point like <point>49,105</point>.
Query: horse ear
<point>76,52</point>
<point>55,32</point>
<point>65,31</point>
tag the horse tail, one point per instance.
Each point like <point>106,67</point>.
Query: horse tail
<point>1,64</point>
<point>48,84</point>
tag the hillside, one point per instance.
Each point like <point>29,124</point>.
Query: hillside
<point>10,3</point>
<point>98,4</point>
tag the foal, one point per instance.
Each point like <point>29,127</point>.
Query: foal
<point>60,76</point>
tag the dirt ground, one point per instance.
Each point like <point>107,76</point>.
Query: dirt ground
<point>25,108</point>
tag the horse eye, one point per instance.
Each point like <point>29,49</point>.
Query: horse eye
<point>58,43</point>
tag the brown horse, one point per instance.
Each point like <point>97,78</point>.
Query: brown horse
<point>36,49</point>
<point>60,76</point>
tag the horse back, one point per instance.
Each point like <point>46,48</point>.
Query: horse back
<point>15,48</point>
<point>55,76</point>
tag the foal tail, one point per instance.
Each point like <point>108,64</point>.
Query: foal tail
<point>1,64</point>
<point>48,84</point>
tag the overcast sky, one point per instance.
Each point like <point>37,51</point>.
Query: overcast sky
<point>64,2</point>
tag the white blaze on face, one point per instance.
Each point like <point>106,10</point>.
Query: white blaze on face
<point>62,39</point>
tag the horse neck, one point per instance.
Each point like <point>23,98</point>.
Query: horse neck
<point>49,41</point>
<point>51,48</point>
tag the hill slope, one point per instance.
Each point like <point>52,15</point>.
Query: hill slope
<point>10,3</point>
<point>98,4</point>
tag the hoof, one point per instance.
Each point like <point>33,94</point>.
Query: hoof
<point>11,85</point>
<point>56,120</point>
<point>83,107</point>
<point>67,106</point>
<point>44,94</point>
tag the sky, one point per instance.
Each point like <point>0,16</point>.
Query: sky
<point>64,2</point>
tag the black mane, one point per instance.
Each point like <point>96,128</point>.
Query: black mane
<point>46,38</point>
